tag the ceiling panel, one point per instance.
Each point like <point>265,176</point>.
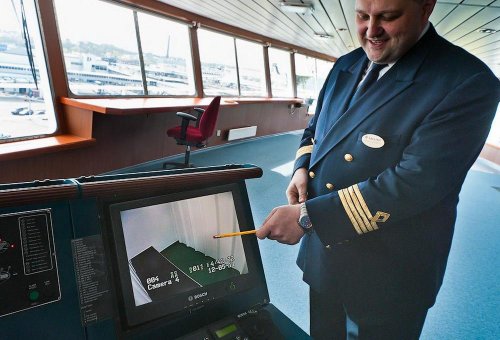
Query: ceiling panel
<point>441,11</point>
<point>480,20</point>
<point>457,20</point>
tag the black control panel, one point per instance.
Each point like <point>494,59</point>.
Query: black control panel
<point>28,268</point>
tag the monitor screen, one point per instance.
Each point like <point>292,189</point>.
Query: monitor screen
<point>167,258</point>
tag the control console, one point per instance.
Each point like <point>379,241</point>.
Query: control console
<point>28,267</point>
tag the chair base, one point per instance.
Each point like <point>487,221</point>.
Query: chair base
<point>178,165</point>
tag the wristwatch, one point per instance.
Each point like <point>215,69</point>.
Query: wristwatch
<point>304,220</point>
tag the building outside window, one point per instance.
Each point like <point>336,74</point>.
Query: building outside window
<point>100,58</point>
<point>104,60</point>
<point>167,56</point>
<point>26,100</point>
<point>305,73</point>
<point>310,76</point>
<point>281,73</point>
<point>218,63</point>
<point>251,68</point>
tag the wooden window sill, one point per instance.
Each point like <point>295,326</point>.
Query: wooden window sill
<point>34,147</point>
<point>132,106</point>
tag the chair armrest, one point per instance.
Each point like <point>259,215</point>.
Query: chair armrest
<point>199,111</point>
<point>187,116</point>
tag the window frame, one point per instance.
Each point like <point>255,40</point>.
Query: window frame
<point>44,56</point>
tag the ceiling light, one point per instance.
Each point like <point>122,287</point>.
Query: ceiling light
<point>297,7</point>
<point>487,30</point>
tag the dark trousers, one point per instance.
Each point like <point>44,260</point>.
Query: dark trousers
<point>330,321</point>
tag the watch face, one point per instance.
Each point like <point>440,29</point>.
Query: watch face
<point>305,222</point>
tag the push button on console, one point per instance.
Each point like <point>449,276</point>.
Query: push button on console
<point>33,295</point>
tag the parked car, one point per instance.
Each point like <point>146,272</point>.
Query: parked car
<point>16,111</point>
<point>25,112</point>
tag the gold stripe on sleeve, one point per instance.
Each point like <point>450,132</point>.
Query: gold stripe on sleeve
<point>364,206</point>
<point>353,211</point>
<point>348,212</point>
<point>303,150</point>
<point>360,210</point>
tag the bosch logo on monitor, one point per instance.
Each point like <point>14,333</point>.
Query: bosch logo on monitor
<point>198,296</point>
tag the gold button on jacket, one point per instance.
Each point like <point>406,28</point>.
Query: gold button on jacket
<point>311,174</point>
<point>348,157</point>
<point>329,186</point>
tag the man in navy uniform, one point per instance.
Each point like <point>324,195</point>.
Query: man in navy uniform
<point>399,122</point>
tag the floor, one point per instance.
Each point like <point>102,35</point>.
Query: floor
<point>468,305</point>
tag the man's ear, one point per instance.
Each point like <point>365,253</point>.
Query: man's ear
<point>427,8</point>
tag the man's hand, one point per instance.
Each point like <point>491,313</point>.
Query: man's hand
<point>297,189</point>
<point>281,225</point>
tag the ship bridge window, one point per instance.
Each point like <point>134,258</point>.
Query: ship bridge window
<point>251,69</point>
<point>310,75</point>
<point>218,65</point>
<point>94,52</point>
<point>26,100</point>
<point>167,56</point>
<point>281,72</point>
<point>234,67</point>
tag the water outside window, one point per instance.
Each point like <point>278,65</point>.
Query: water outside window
<point>26,103</point>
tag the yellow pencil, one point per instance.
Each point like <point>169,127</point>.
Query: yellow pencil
<point>235,234</point>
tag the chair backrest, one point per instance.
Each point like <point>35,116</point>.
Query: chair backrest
<point>209,118</point>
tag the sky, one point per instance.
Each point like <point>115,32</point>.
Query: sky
<point>7,16</point>
<point>112,24</point>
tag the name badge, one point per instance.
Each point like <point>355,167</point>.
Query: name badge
<point>372,141</point>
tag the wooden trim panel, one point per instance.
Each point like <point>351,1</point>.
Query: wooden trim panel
<point>168,182</point>
<point>33,147</point>
<point>32,194</point>
<point>132,106</point>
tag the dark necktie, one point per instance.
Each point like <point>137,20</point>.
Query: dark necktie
<point>370,79</point>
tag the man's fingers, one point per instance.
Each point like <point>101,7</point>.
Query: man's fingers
<point>292,197</point>
<point>302,196</point>
<point>263,232</point>
<point>265,229</point>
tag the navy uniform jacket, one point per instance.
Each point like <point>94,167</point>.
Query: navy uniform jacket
<point>383,215</point>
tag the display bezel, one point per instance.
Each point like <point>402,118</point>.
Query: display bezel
<point>219,293</point>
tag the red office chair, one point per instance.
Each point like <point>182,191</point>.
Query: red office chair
<point>197,136</point>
